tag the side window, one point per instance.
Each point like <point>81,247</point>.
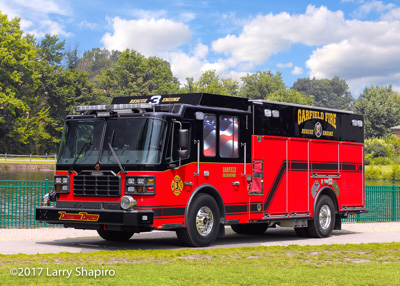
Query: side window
<point>174,142</point>
<point>209,135</point>
<point>228,136</point>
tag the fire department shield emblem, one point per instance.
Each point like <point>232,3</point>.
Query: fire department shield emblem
<point>177,185</point>
<point>318,129</point>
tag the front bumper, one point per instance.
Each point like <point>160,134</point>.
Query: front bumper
<point>76,217</point>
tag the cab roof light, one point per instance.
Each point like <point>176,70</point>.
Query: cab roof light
<point>112,107</point>
<point>91,108</point>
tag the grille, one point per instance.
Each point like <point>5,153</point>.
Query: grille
<point>97,184</point>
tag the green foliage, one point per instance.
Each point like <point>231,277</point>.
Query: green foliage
<point>381,161</point>
<point>330,93</point>
<point>291,96</point>
<point>376,147</point>
<point>96,60</point>
<point>21,120</point>
<point>373,173</point>
<point>136,75</point>
<point>209,82</point>
<point>381,109</point>
<point>261,84</point>
<point>395,175</point>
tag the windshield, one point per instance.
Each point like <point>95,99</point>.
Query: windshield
<point>134,141</point>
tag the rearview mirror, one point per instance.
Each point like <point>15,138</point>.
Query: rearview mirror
<point>184,139</point>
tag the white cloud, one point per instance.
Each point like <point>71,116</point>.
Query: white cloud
<point>187,16</point>
<point>359,62</point>
<point>44,6</point>
<point>35,15</point>
<point>148,14</point>
<point>373,6</point>
<point>297,70</point>
<point>361,52</point>
<point>201,51</point>
<point>149,37</point>
<point>391,15</point>
<point>88,25</point>
<point>184,65</point>
<point>284,65</point>
<point>271,34</point>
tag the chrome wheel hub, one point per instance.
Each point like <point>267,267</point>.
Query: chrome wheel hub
<point>204,221</point>
<point>325,217</point>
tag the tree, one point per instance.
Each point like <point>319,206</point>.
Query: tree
<point>261,84</point>
<point>60,90</point>
<point>210,82</point>
<point>291,96</point>
<point>135,74</point>
<point>96,60</point>
<point>72,58</point>
<point>381,109</point>
<point>20,122</point>
<point>330,93</point>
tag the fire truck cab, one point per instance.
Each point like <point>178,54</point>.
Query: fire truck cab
<point>193,163</point>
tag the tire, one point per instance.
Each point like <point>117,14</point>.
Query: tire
<point>324,218</point>
<point>252,229</point>
<point>112,235</point>
<point>203,223</point>
<point>301,232</point>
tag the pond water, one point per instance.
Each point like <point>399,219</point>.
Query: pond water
<point>26,176</point>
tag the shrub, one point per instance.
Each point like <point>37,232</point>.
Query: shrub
<point>381,161</point>
<point>373,173</point>
<point>395,174</point>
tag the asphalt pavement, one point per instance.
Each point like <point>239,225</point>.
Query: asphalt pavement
<point>56,240</point>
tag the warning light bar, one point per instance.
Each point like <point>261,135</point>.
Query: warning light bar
<point>111,107</point>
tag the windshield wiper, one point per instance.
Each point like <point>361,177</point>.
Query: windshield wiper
<point>115,155</point>
<point>84,147</point>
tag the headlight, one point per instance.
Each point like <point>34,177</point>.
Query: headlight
<point>61,184</point>
<point>140,185</point>
<point>127,202</point>
<point>46,200</point>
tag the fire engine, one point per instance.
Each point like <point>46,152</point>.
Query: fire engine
<point>194,163</point>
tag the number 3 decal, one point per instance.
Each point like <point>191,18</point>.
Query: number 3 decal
<point>155,99</point>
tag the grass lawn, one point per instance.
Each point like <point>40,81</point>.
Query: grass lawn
<point>366,264</point>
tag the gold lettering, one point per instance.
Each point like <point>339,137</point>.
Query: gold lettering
<point>327,133</point>
<point>142,100</point>
<point>171,99</point>
<point>307,131</point>
<point>299,116</point>
<point>305,115</point>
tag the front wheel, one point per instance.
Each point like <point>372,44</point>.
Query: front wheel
<point>324,218</point>
<point>203,223</point>
<point>112,235</point>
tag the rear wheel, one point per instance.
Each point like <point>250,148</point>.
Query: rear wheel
<point>203,223</point>
<point>324,218</point>
<point>112,235</point>
<point>250,228</point>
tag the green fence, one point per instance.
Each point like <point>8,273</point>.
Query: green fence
<point>383,204</point>
<point>19,199</point>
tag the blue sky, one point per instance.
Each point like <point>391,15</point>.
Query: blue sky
<point>357,40</point>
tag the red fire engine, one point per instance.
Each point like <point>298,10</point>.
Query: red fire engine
<point>193,163</point>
